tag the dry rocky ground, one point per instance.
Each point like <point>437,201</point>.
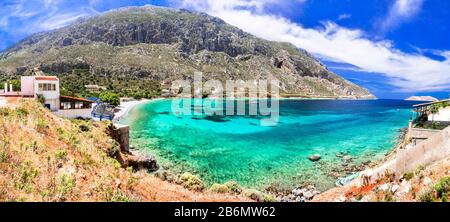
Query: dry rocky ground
<point>46,158</point>
<point>425,184</point>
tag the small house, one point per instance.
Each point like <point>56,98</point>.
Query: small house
<point>40,86</point>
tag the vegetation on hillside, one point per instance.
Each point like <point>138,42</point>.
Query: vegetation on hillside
<point>46,158</point>
<point>73,84</point>
<point>110,98</point>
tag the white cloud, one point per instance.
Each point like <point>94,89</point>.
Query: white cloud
<point>30,16</point>
<point>401,11</point>
<point>59,20</point>
<point>409,72</point>
<point>344,16</point>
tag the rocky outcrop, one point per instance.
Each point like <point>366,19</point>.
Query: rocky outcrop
<point>141,162</point>
<point>301,194</point>
<point>167,44</point>
<point>121,134</point>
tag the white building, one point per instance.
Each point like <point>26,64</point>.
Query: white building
<point>47,87</point>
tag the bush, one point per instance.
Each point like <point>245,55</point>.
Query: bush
<point>219,188</point>
<point>191,182</point>
<point>41,126</point>
<point>16,85</point>
<point>61,154</point>
<point>426,195</point>
<point>41,99</point>
<point>408,176</point>
<point>443,189</point>
<point>21,112</point>
<point>254,195</point>
<point>66,185</point>
<point>233,187</point>
<point>110,98</point>
<point>269,198</point>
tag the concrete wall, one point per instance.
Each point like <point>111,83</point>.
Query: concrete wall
<point>443,115</point>
<point>422,133</point>
<point>435,148</point>
<point>74,113</point>
<point>51,97</point>
<point>27,86</point>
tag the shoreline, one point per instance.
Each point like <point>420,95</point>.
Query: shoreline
<point>126,107</point>
<point>167,172</point>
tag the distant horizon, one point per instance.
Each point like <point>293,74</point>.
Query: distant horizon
<point>378,46</point>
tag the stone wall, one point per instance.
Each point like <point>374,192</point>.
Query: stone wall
<point>419,135</point>
<point>435,148</point>
<point>121,134</point>
<point>74,113</point>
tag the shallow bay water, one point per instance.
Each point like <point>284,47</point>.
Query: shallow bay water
<point>224,148</point>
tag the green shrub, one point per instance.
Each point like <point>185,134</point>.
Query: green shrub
<point>61,154</point>
<point>219,188</point>
<point>16,85</point>
<point>21,112</point>
<point>269,198</point>
<point>443,189</point>
<point>408,176</point>
<point>426,195</point>
<point>254,195</point>
<point>388,197</point>
<point>41,99</point>
<point>420,168</point>
<point>234,187</point>
<point>41,126</point>
<point>27,175</point>
<point>66,185</point>
<point>4,112</point>
<point>4,156</point>
<point>117,196</point>
<point>110,97</point>
<point>191,182</point>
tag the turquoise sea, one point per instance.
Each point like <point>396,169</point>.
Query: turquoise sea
<point>224,148</point>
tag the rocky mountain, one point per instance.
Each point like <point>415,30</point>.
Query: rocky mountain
<point>154,43</point>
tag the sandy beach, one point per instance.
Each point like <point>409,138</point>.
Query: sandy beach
<point>125,107</point>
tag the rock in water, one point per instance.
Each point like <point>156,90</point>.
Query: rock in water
<point>315,157</point>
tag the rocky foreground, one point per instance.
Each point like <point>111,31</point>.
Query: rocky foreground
<point>425,184</point>
<point>47,158</point>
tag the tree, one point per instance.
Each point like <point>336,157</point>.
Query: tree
<point>110,97</point>
<point>16,85</point>
<point>434,109</point>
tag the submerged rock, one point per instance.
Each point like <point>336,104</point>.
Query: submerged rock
<point>315,157</point>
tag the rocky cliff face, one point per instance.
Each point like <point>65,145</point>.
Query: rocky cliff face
<point>167,44</point>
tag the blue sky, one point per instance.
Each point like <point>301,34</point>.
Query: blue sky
<point>395,48</point>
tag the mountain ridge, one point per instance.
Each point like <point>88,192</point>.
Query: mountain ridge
<point>163,44</point>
